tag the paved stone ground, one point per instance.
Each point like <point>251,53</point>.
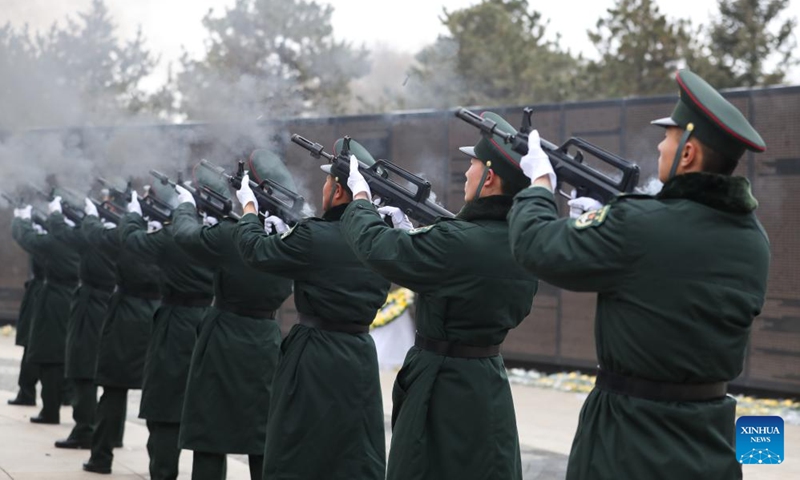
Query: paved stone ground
<point>131,462</point>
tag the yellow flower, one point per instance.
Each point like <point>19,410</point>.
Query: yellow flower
<point>397,302</point>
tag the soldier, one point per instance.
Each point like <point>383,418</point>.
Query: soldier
<point>234,361</point>
<point>326,416</point>
<point>680,277</point>
<point>453,414</point>
<point>96,273</point>
<point>47,338</point>
<point>123,337</point>
<point>28,372</point>
<point>187,292</point>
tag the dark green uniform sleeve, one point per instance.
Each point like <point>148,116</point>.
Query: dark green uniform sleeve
<point>134,238</point>
<point>288,255</point>
<point>23,233</point>
<point>100,237</point>
<point>202,243</point>
<point>72,236</point>
<point>589,253</point>
<point>414,260</point>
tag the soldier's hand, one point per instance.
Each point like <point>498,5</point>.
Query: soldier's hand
<point>356,182</point>
<point>55,205</point>
<point>271,221</point>
<point>245,194</point>
<point>184,196</point>
<point>109,225</point>
<point>536,165</point>
<point>209,221</point>
<point>69,223</point>
<point>580,205</point>
<point>399,219</point>
<point>90,208</point>
<point>154,226</point>
<point>133,205</point>
<point>25,212</point>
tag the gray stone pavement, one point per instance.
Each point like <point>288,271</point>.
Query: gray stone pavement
<point>546,421</point>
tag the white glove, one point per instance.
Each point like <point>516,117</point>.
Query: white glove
<point>271,221</point>
<point>25,212</point>
<point>39,229</point>
<point>356,182</point>
<point>154,226</point>
<point>579,206</point>
<point>69,223</point>
<point>109,225</point>
<point>90,208</point>
<point>133,205</point>
<point>55,205</point>
<point>184,196</point>
<point>209,221</point>
<point>535,163</point>
<point>245,194</point>
<point>399,219</point>
<point>16,213</point>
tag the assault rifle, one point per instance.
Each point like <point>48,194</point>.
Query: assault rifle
<point>569,168</point>
<point>37,216</point>
<point>417,204</point>
<point>270,195</point>
<point>114,206</point>
<point>206,198</point>
<point>68,209</point>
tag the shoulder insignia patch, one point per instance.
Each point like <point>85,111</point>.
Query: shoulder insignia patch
<point>418,230</point>
<point>591,219</point>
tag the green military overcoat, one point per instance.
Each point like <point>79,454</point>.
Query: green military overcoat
<point>680,277</point>
<point>89,305</point>
<point>452,417</point>
<point>48,329</point>
<point>175,324</point>
<point>236,355</point>
<point>326,417</point>
<point>129,317</point>
<point>32,288</point>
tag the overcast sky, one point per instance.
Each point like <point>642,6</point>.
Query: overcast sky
<point>170,25</point>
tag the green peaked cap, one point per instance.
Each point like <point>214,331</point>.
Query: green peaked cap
<point>361,153</point>
<point>204,176</point>
<point>266,164</point>
<point>498,155</point>
<point>716,122</point>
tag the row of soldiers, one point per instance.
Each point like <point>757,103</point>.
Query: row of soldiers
<point>187,314</point>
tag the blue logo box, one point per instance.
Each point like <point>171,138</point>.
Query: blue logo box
<point>759,440</point>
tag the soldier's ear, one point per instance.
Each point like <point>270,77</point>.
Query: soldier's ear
<point>691,155</point>
<point>340,192</point>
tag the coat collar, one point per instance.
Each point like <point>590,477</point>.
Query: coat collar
<point>333,214</point>
<point>494,207</point>
<point>720,192</point>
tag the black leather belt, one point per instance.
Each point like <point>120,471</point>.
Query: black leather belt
<point>452,349</point>
<point>143,294</point>
<point>243,311</point>
<point>187,299</point>
<point>329,325</point>
<point>659,391</point>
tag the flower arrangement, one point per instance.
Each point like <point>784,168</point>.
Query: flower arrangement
<point>397,302</point>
